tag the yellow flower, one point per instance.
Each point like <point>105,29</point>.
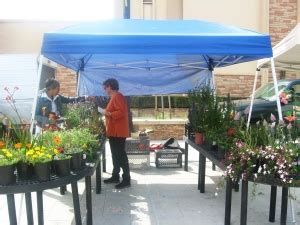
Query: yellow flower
<point>18,145</point>
<point>8,155</point>
<point>56,152</point>
<point>49,156</point>
<point>37,148</point>
<point>28,146</point>
<point>30,152</point>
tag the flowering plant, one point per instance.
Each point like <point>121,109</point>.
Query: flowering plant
<point>8,157</point>
<point>39,154</point>
<point>265,149</point>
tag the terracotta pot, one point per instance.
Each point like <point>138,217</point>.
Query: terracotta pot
<point>199,138</point>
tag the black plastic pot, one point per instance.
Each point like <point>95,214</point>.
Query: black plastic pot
<point>62,167</point>
<point>42,171</point>
<point>25,171</point>
<point>7,175</point>
<point>76,161</point>
<point>221,153</point>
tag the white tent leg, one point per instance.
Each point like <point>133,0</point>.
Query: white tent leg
<point>39,74</point>
<point>213,81</point>
<point>276,90</point>
<point>252,98</point>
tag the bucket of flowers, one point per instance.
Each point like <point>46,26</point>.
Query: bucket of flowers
<point>8,162</point>
<point>40,157</point>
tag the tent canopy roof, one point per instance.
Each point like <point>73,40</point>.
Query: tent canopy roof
<point>286,52</point>
<point>151,48</point>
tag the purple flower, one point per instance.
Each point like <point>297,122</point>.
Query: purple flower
<point>272,117</point>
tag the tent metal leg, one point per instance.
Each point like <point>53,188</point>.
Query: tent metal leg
<point>252,98</point>
<point>276,89</point>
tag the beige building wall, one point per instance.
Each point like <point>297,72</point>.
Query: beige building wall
<point>249,14</point>
<point>26,36</point>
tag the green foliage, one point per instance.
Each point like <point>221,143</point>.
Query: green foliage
<point>8,157</point>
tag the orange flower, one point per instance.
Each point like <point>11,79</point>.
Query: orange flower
<point>18,145</point>
<point>2,144</point>
<point>290,118</point>
<point>57,140</point>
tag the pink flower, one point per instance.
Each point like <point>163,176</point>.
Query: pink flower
<point>237,116</point>
<point>6,89</point>
<point>283,98</point>
<point>272,117</point>
<point>8,98</point>
<point>247,110</point>
<point>16,88</point>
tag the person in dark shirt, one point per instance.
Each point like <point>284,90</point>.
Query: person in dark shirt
<point>51,101</point>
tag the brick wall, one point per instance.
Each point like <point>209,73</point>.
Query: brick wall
<point>162,131</point>
<point>236,85</point>
<point>67,79</point>
<point>282,18</point>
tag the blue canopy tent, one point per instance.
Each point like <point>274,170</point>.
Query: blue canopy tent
<point>150,56</point>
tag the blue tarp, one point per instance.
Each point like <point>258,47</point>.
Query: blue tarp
<point>150,56</point>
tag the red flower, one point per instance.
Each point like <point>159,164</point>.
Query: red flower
<point>60,149</point>
<point>230,132</point>
<point>290,118</point>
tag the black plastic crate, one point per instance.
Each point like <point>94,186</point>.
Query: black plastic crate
<point>188,131</point>
<point>138,152</point>
<point>168,158</point>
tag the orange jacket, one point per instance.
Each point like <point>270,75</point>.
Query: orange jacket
<point>117,123</point>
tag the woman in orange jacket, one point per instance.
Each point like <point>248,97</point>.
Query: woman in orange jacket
<point>117,130</point>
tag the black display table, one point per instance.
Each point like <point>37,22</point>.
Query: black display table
<point>30,186</point>
<point>212,156</point>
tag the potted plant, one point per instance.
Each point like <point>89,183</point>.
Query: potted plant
<point>40,157</point>
<point>8,161</point>
<point>199,100</point>
<point>24,168</point>
<point>62,162</point>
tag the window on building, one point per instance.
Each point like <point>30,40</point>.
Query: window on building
<point>147,9</point>
<point>57,10</point>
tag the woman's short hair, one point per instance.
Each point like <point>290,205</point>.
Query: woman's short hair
<point>112,83</point>
<point>51,84</point>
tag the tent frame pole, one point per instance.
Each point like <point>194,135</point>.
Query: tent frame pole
<point>276,90</point>
<point>77,83</point>
<point>39,75</point>
<point>252,98</point>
